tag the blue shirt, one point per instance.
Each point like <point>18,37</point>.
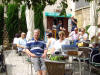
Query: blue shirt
<point>36,47</point>
<point>21,42</point>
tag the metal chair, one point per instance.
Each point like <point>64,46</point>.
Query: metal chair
<point>86,53</point>
<point>85,57</point>
<point>95,62</point>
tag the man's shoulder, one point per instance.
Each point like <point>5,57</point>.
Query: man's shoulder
<point>30,41</point>
<point>20,39</point>
<point>41,41</point>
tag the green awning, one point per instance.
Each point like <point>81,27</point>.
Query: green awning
<point>56,14</point>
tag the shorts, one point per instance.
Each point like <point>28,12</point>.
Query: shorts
<point>38,63</point>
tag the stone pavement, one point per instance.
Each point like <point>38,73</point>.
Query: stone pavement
<point>17,65</point>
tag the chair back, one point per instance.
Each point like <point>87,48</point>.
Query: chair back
<point>86,51</point>
<point>93,52</point>
<point>71,50</point>
<point>66,48</point>
<point>96,58</point>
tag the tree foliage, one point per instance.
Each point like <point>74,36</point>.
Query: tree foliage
<point>23,25</point>
<point>1,23</point>
<point>12,21</point>
<point>64,6</point>
<point>5,2</point>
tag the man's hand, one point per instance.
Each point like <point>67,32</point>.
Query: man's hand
<point>44,55</point>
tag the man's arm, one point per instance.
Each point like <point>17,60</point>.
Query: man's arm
<point>29,53</point>
<point>74,20</point>
<point>44,54</point>
<point>18,45</point>
<point>61,28</point>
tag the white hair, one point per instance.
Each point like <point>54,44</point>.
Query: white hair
<point>36,30</point>
<point>23,33</point>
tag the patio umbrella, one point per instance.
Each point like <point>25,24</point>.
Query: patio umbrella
<point>93,19</point>
<point>30,22</point>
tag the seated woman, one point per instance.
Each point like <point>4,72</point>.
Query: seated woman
<point>50,42</point>
<point>83,36</point>
<point>61,41</point>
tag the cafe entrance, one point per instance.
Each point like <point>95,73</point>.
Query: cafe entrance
<point>53,18</point>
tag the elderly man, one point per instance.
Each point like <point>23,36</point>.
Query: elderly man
<point>21,43</point>
<point>74,35</point>
<point>37,50</point>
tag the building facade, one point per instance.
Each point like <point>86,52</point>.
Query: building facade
<point>82,13</point>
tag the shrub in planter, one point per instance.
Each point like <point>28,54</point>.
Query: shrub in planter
<point>23,25</point>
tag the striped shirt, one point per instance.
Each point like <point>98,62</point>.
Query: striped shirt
<point>36,47</point>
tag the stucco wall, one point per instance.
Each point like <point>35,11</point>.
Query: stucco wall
<point>83,17</point>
